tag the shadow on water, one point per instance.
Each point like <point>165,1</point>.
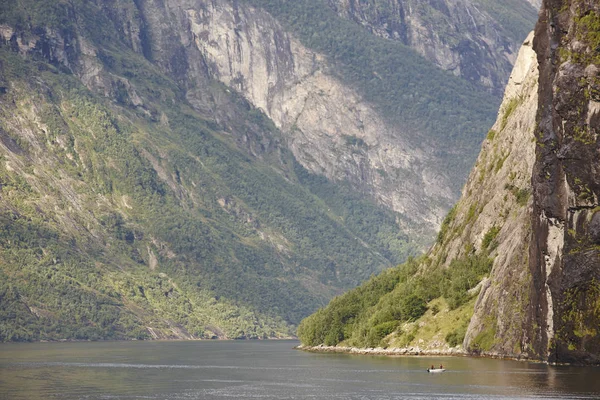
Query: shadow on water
<point>269,370</point>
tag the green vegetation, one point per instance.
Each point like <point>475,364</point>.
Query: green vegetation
<point>457,336</point>
<point>364,316</point>
<point>515,16</point>
<point>583,135</point>
<point>581,314</point>
<point>113,219</point>
<point>54,14</point>
<point>500,162</point>
<point>486,339</point>
<point>509,109</point>
<point>406,88</point>
<point>442,234</point>
<point>522,195</point>
<point>588,31</point>
<point>489,239</point>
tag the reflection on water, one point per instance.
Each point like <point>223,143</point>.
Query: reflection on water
<point>268,370</point>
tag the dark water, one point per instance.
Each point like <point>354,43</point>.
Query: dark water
<point>268,370</point>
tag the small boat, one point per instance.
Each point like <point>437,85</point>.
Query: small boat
<point>436,370</point>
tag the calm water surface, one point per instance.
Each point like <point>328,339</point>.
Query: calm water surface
<point>268,370</point>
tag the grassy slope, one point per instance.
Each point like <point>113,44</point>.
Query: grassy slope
<point>114,218</point>
<point>390,302</point>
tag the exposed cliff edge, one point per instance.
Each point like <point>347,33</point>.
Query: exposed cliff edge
<point>515,271</point>
<point>564,253</point>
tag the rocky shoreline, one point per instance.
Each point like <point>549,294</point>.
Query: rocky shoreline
<point>380,351</point>
<point>417,351</point>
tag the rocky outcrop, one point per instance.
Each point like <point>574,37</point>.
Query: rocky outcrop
<point>499,192</point>
<point>536,3</point>
<point>464,37</point>
<point>490,225</point>
<point>542,298</point>
<point>546,305</point>
<point>380,351</point>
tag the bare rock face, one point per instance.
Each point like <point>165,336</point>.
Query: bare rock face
<point>459,36</point>
<point>564,255</point>
<point>543,298</point>
<point>536,3</point>
<point>327,125</point>
<point>532,205</point>
<point>496,203</point>
<point>329,128</point>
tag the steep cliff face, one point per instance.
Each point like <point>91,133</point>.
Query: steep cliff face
<point>542,297</point>
<point>471,292</point>
<point>477,40</point>
<point>394,148</point>
<point>553,311</point>
<point>564,256</point>
<point>494,214</point>
<point>536,3</point>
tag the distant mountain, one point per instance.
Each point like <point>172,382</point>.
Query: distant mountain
<point>477,40</point>
<point>428,302</point>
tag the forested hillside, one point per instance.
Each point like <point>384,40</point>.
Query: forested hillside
<point>475,39</point>
<point>429,303</point>
<point>127,212</point>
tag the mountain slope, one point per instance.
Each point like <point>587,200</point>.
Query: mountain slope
<point>564,257</point>
<point>135,203</point>
<point>352,107</point>
<point>146,193</point>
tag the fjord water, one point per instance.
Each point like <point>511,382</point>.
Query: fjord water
<point>268,370</point>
